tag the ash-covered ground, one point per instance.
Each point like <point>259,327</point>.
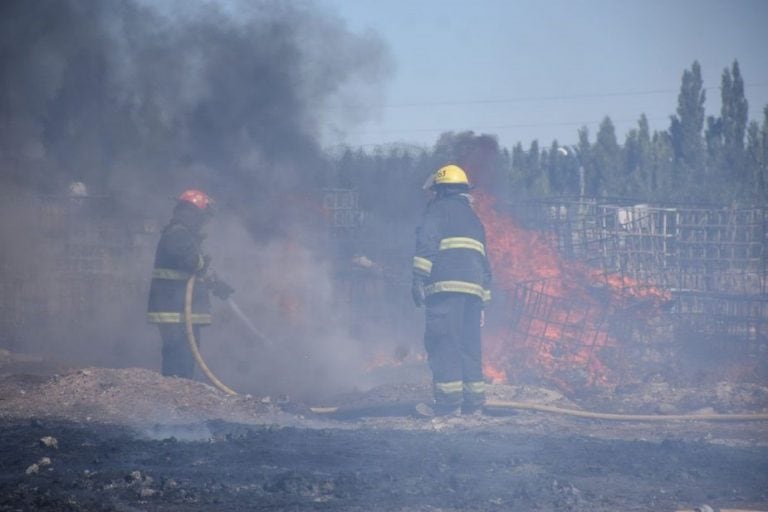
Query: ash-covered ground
<point>74,439</point>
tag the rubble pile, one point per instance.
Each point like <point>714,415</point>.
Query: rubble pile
<point>131,396</point>
<point>142,398</point>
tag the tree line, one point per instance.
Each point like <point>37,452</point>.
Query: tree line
<point>701,159</point>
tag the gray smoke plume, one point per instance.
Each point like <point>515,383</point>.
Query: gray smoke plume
<point>141,99</point>
<point>129,95</point>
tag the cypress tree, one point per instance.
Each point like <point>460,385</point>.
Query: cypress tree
<point>608,177</point>
<point>518,179</point>
<point>757,150</point>
<point>733,114</point>
<point>556,170</point>
<point>637,161</point>
<point>686,130</point>
<point>663,167</point>
<point>713,135</point>
<point>533,177</point>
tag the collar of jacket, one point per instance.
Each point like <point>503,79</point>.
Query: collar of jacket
<point>469,198</point>
<point>196,232</point>
<point>461,196</point>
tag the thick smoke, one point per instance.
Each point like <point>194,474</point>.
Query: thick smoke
<point>139,100</point>
<point>131,96</point>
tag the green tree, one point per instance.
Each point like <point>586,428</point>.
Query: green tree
<point>734,117</point>
<point>525,168</point>
<point>757,160</point>
<point>518,183</point>
<point>608,177</point>
<point>534,177</point>
<point>562,170</point>
<point>686,130</point>
<point>553,166</point>
<point>663,167</point>
<point>713,135</point>
<point>505,166</point>
<point>638,161</point>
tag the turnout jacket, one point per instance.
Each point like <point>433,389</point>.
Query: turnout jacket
<point>450,249</point>
<point>177,257</point>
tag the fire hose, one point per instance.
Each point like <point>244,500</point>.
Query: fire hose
<point>193,341</point>
<point>491,404</point>
<point>503,404</point>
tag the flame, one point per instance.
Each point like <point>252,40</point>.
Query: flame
<point>518,255</point>
<point>630,287</point>
<point>495,375</point>
<point>561,334</point>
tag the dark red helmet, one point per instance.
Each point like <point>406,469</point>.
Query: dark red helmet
<point>197,198</point>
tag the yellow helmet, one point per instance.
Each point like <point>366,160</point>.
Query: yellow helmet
<point>447,175</point>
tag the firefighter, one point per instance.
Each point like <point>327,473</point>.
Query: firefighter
<point>178,256</point>
<point>451,277</point>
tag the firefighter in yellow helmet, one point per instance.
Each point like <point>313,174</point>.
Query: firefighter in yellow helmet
<point>178,255</point>
<point>451,277</point>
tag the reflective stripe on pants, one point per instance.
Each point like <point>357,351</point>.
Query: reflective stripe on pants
<point>452,339</point>
<point>474,392</point>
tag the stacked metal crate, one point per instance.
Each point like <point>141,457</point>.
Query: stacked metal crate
<point>713,261</point>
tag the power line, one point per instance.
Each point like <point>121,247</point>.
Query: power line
<point>530,125</point>
<point>512,126</point>
<point>523,99</point>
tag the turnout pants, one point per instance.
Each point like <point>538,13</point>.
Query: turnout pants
<point>178,360</point>
<point>453,343</point>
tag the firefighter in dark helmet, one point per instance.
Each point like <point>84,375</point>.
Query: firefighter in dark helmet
<point>178,256</point>
<point>451,277</point>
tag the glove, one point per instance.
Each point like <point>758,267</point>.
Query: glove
<point>221,289</point>
<point>206,263</point>
<point>417,291</point>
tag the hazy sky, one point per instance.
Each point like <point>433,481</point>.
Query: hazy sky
<point>540,69</point>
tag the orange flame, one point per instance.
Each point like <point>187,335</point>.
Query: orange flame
<point>493,374</point>
<point>562,345</point>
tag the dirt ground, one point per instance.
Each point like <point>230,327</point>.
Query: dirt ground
<point>75,439</point>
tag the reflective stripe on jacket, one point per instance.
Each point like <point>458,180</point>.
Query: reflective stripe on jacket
<point>177,257</point>
<point>450,249</point>
<point>177,318</point>
<point>169,273</point>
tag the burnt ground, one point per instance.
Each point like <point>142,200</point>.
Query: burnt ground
<point>132,440</point>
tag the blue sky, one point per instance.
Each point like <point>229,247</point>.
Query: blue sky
<point>526,70</point>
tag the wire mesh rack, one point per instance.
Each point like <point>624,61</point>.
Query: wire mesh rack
<point>713,261</point>
<point>576,340</point>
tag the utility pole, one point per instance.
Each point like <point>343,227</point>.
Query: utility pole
<point>573,150</point>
